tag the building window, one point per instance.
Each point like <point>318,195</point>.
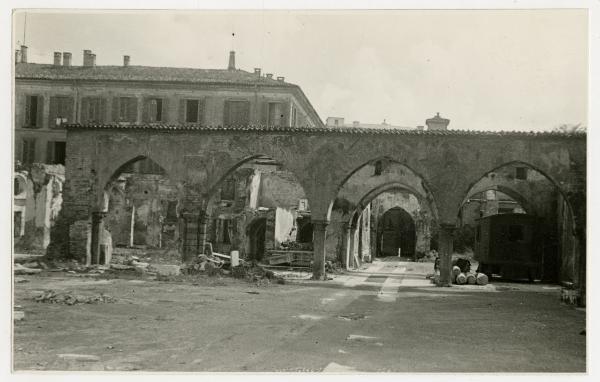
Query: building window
<point>236,113</point>
<point>192,114</point>
<point>521,173</point>
<point>276,114</point>
<point>33,112</point>
<point>28,153</point>
<point>378,168</point>
<point>154,111</point>
<point>61,111</point>
<point>56,152</point>
<point>93,110</point>
<point>125,109</point>
<point>226,234</point>
<point>228,189</point>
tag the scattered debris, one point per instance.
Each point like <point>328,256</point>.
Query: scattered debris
<point>23,270</point>
<point>352,316</point>
<point>18,315</point>
<point>79,357</point>
<point>252,292</point>
<point>165,269</point>
<point>68,298</point>
<point>359,337</point>
<point>21,280</point>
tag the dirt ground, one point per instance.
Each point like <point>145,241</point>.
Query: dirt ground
<point>357,322</point>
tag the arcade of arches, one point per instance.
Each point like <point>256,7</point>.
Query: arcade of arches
<point>354,189</point>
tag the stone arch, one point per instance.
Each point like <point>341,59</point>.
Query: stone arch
<point>424,184</point>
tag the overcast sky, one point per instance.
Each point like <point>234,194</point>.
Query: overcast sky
<point>484,70</point>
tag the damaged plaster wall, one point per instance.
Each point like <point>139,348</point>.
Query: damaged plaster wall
<point>38,202</point>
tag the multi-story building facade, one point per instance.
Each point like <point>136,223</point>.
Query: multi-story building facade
<point>47,96</point>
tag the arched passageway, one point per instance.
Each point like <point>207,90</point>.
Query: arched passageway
<point>524,228</point>
<point>396,234</point>
<point>256,239</point>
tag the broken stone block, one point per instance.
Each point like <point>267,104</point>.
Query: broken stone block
<point>121,267</point>
<point>18,315</point>
<point>165,269</point>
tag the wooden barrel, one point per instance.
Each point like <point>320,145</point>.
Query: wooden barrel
<point>461,279</point>
<point>482,279</point>
<point>471,279</point>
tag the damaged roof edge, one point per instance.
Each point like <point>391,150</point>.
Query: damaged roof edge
<point>324,129</point>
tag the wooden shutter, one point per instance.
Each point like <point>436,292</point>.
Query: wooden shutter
<point>53,113</point>
<point>286,114</point>
<point>264,117</point>
<point>40,112</point>
<point>132,109</point>
<point>200,112</point>
<point>182,111</point>
<point>68,109</point>
<point>244,117</point>
<point>226,116</point>
<point>85,105</point>
<point>102,110</point>
<point>147,110</point>
<point>165,110</point>
<point>115,109</point>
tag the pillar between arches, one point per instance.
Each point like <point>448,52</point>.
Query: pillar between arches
<point>319,233</point>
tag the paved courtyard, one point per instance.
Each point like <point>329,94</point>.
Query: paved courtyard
<point>386,317</point>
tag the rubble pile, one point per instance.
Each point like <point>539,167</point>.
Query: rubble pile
<point>68,298</point>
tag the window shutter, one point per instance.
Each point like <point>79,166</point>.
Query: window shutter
<point>201,112</point>
<point>132,109</point>
<point>115,109</point>
<point>40,112</point>
<point>85,105</point>
<point>165,110</point>
<point>245,113</point>
<point>102,110</point>
<point>264,117</point>
<point>285,120</point>
<point>69,109</point>
<point>147,110</point>
<point>27,122</point>
<point>182,110</point>
<point>226,116</point>
<point>53,113</point>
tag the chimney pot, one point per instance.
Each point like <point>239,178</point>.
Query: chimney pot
<point>24,54</point>
<point>92,59</point>
<point>66,59</point>
<point>57,59</point>
<point>437,123</point>
<point>231,65</point>
<point>126,59</point>
<point>269,75</point>
<point>281,79</point>
<point>257,71</point>
<point>86,57</point>
<point>355,123</point>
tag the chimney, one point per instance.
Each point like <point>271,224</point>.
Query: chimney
<point>280,79</point>
<point>126,59</point>
<point>24,54</point>
<point>66,59</point>
<point>257,71</point>
<point>437,123</point>
<point>57,59</point>
<point>420,128</point>
<point>17,56</point>
<point>355,124</point>
<point>92,59</point>
<point>269,75</point>
<point>86,57</point>
<point>231,65</point>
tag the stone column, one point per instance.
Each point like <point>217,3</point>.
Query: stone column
<point>446,238</point>
<point>347,259</point>
<point>97,228</point>
<point>319,232</point>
